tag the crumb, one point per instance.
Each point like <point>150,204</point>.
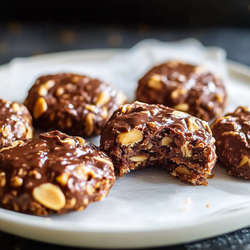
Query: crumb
<point>188,201</point>
<point>208,205</point>
<point>188,204</point>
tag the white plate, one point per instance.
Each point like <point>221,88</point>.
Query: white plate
<point>136,223</point>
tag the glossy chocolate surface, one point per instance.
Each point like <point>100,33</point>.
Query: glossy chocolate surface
<point>75,171</point>
<point>74,104</point>
<point>140,134</point>
<point>232,134</point>
<point>184,87</point>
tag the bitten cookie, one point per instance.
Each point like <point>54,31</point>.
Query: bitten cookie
<point>74,104</point>
<point>184,87</point>
<point>53,173</point>
<point>140,134</point>
<point>15,122</point>
<point>232,134</point>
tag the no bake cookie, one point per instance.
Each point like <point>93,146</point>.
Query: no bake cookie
<point>74,104</point>
<point>15,122</point>
<point>184,87</point>
<point>140,134</point>
<point>53,173</point>
<point>232,134</point>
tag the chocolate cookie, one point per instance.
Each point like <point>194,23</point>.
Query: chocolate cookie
<point>53,173</point>
<point>140,134</point>
<point>15,122</point>
<point>74,104</point>
<point>232,134</point>
<point>184,87</point>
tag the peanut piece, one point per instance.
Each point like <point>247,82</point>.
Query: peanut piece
<point>85,201</point>
<point>75,79</point>
<point>138,158</point>
<point>182,106</point>
<point>72,202</point>
<point>2,180</point>
<point>29,133</point>
<point>200,70</point>
<point>233,133</point>
<point>179,114</point>
<point>149,146</point>
<point>13,144</point>
<point>152,125</point>
<point>90,107</point>
<point>193,126</point>
<point>219,98</point>
<point>36,174</point>
<point>89,189</point>
<point>125,108</point>
<point>63,179</point>
<point>245,159</point>
<point>70,141</point>
<point>40,107</point>
<point>66,96</point>
<point>50,196</point>
<point>69,123</point>
<point>155,82</point>
<point>6,130</point>
<point>174,63</point>
<point>16,181</point>
<point>16,208</point>
<point>130,138</point>
<point>205,124</point>
<point>183,170</point>
<point>104,112</point>
<point>83,172</point>
<point>176,93</point>
<point>49,84</point>
<point>89,123</point>
<point>59,91</point>
<point>166,141</point>
<point>81,140</point>
<point>186,151</point>
<point>102,98</point>
<point>52,116</point>
<point>16,107</point>
<point>42,91</point>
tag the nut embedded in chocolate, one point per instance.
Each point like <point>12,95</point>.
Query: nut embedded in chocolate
<point>139,134</point>
<point>53,173</point>
<point>74,104</point>
<point>184,87</point>
<point>15,122</point>
<point>232,134</point>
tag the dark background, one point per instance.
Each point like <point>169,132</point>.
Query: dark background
<point>30,28</point>
<point>34,27</point>
<point>165,13</point>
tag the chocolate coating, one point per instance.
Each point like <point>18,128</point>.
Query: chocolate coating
<point>184,87</point>
<point>53,173</point>
<point>232,134</point>
<point>74,104</point>
<point>140,134</point>
<point>15,122</point>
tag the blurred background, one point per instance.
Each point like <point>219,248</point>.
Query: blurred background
<point>35,27</point>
